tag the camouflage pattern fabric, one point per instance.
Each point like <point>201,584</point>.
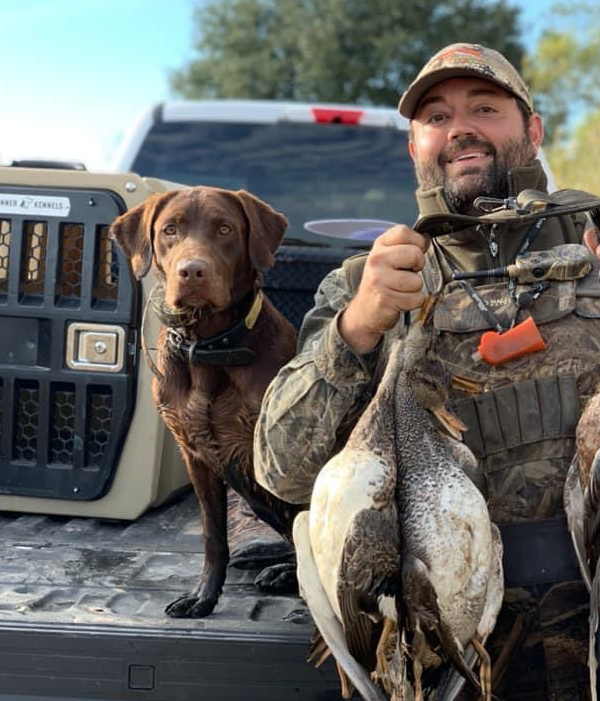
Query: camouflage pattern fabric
<point>521,417</point>
<point>318,397</point>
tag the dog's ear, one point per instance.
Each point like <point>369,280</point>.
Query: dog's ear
<point>133,231</point>
<point>267,228</point>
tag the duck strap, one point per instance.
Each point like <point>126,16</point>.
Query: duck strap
<point>528,207</point>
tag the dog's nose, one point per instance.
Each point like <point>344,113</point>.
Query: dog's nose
<point>192,269</point>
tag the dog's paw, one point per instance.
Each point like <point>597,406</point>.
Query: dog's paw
<point>278,579</point>
<point>190,606</point>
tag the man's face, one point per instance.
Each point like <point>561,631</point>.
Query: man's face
<point>467,134</point>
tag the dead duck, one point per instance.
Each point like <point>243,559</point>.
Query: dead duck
<point>397,558</point>
<point>582,506</point>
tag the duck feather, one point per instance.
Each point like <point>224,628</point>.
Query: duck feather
<point>323,614</point>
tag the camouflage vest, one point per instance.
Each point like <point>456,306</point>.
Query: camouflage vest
<point>521,415</point>
<point>521,418</point>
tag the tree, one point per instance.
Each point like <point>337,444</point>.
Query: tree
<point>563,71</point>
<point>332,50</point>
<point>562,74</point>
<point>575,162</point>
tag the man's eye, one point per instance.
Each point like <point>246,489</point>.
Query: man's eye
<point>436,118</point>
<point>170,229</point>
<point>486,109</point>
<point>224,229</point>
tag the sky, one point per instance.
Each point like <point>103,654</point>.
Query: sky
<point>76,74</point>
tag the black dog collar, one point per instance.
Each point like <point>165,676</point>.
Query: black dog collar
<point>221,349</point>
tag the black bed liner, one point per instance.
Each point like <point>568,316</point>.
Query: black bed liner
<point>82,617</point>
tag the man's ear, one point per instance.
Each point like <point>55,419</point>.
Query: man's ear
<point>133,231</point>
<point>535,130</point>
<point>266,230</point>
<point>411,149</point>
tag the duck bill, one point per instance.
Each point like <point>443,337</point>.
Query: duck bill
<point>450,422</point>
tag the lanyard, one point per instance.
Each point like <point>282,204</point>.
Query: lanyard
<point>489,315</point>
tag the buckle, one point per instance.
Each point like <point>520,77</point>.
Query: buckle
<point>494,204</point>
<point>174,338</point>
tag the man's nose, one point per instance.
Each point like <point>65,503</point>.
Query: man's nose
<point>461,126</point>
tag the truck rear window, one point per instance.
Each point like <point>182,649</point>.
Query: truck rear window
<point>307,171</point>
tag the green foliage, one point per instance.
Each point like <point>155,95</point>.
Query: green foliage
<point>332,50</point>
<point>575,162</point>
<point>563,71</point>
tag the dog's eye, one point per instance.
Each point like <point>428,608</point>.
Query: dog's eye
<point>170,229</point>
<point>224,229</point>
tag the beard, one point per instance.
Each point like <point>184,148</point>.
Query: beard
<point>461,191</point>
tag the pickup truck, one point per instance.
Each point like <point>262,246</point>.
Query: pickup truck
<point>99,528</point>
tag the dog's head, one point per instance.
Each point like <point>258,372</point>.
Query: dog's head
<point>209,244</point>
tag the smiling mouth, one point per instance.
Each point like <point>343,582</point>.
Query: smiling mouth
<point>470,156</point>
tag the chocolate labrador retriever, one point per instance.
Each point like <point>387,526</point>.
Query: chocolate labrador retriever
<point>221,343</point>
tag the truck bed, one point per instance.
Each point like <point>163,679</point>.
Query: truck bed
<point>82,617</point>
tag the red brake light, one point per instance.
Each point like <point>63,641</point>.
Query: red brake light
<point>339,116</point>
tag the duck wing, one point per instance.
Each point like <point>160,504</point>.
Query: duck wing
<point>594,641</point>
<point>421,602</point>
<point>323,614</point>
<point>591,505</point>
<point>592,510</point>
<point>453,682</point>
<point>582,505</point>
<point>574,508</point>
<point>369,580</point>
<point>495,588</point>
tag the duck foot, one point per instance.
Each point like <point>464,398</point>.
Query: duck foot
<point>382,668</point>
<point>419,644</point>
<point>347,687</point>
<point>485,669</point>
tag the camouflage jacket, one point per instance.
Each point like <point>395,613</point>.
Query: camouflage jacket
<point>314,402</point>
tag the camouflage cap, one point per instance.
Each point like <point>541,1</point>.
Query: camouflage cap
<point>464,61</point>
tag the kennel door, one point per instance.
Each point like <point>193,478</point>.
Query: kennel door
<point>68,318</point>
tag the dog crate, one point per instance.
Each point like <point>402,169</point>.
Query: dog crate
<point>79,434</point>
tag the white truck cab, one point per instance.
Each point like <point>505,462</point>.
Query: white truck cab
<point>310,161</point>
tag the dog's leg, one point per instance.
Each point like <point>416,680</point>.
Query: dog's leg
<point>212,495</point>
<point>280,577</point>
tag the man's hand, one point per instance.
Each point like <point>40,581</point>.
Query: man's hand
<point>591,240</point>
<point>390,285</point>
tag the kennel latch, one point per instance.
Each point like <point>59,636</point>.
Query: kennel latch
<point>95,347</point>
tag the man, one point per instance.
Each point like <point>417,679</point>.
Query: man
<point>473,132</point>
